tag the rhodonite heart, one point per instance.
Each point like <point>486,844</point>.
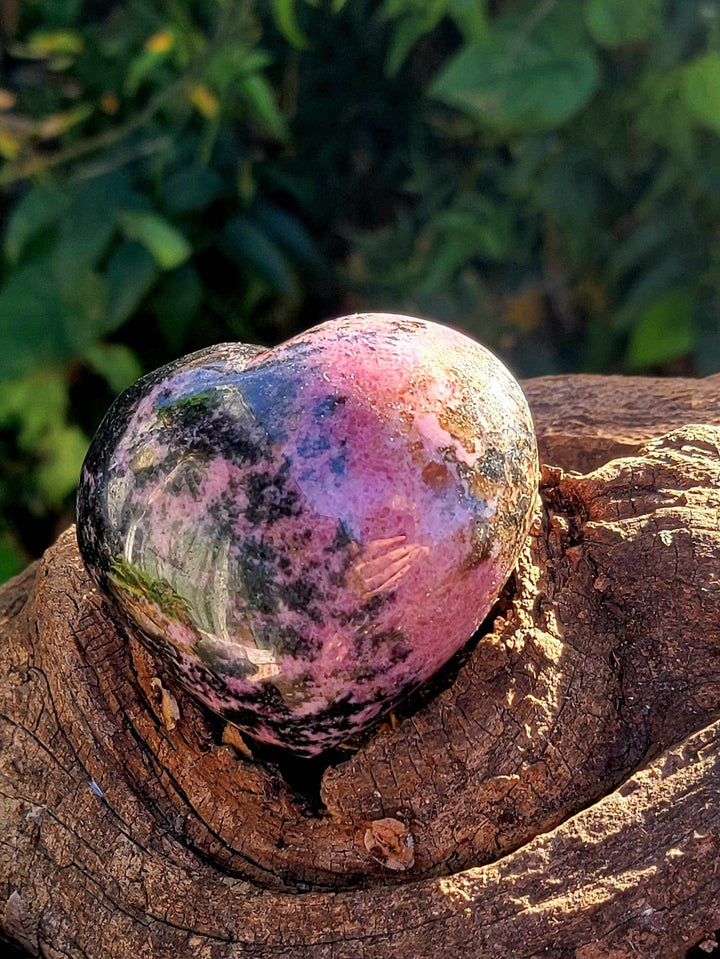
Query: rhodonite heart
<point>305,534</point>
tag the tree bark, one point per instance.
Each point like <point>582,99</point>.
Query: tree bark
<point>554,792</point>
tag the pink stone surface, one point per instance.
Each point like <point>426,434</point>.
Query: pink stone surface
<point>308,533</point>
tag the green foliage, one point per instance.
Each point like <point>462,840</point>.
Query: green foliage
<point>136,220</point>
<point>616,23</point>
<point>543,173</point>
<point>700,89</point>
<point>665,330</point>
<point>565,201</point>
<point>534,88</point>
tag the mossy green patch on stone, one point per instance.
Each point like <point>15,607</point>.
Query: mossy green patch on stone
<point>134,580</point>
<point>200,402</point>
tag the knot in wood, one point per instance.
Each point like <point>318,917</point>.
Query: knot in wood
<point>390,843</point>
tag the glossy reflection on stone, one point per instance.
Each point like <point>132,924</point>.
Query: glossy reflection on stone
<point>306,534</point>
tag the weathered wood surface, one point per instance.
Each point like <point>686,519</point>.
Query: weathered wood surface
<point>560,783</point>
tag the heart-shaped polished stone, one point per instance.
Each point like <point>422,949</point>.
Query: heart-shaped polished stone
<point>304,534</point>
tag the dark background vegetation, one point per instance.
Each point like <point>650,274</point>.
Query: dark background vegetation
<point>544,174</point>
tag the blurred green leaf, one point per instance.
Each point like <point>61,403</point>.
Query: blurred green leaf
<point>116,363</point>
<point>659,277</point>
<point>159,237</point>
<point>58,473</point>
<point>233,60</point>
<point>665,331</point>
<point>38,401</point>
<point>517,83</point>
<point>570,191</point>
<point>48,43</point>
<point>707,335</point>
<point>289,233</point>
<point>85,303</point>
<point>12,558</point>
<point>40,207</point>
<point>158,48</point>
<point>285,14</point>
<point>601,345</point>
<point>471,18</point>
<point>176,305</point>
<point>415,21</point>
<point>700,89</point>
<point>243,241</point>
<point>59,13</point>
<point>614,23</point>
<point>644,244</point>
<point>130,273</point>
<point>86,231</point>
<point>191,190</point>
<point>33,322</point>
<point>664,118</point>
<point>261,100</point>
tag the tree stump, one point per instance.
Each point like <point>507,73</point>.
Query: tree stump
<point>554,792</point>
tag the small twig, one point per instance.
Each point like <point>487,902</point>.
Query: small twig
<point>103,165</point>
<point>108,138</point>
<point>9,17</point>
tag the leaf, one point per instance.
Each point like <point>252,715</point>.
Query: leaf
<point>130,273</point>
<point>85,303</point>
<point>260,98</point>
<point>176,303</point>
<point>661,276</point>
<point>60,13</point>
<point>50,43</point>
<point>234,60</point>
<point>143,65</point>
<point>570,191</point>
<point>204,100</point>
<point>414,24</point>
<point>664,118</point>
<point>470,17</point>
<point>518,84</point>
<point>87,230</point>
<point>614,23</point>
<point>115,363</point>
<point>285,16</point>
<point>601,345</point>
<point>191,190</point>
<point>10,144</point>
<point>644,244</point>
<point>33,327</point>
<point>290,234</point>
<point>58,123</point>
<point>37,402</point>
<point>12,558</point>
<point>64,451</point>
<point>707,340</point>
<point>665,331</point>
<point>159,237</point>
<point>39,208</point>
<point>700,90</point>
<point>162,41</point>
<point>244,241</point>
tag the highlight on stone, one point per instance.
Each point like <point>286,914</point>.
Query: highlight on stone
<point>303,535</point>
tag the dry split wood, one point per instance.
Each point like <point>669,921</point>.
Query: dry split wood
<point>555,793</point>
